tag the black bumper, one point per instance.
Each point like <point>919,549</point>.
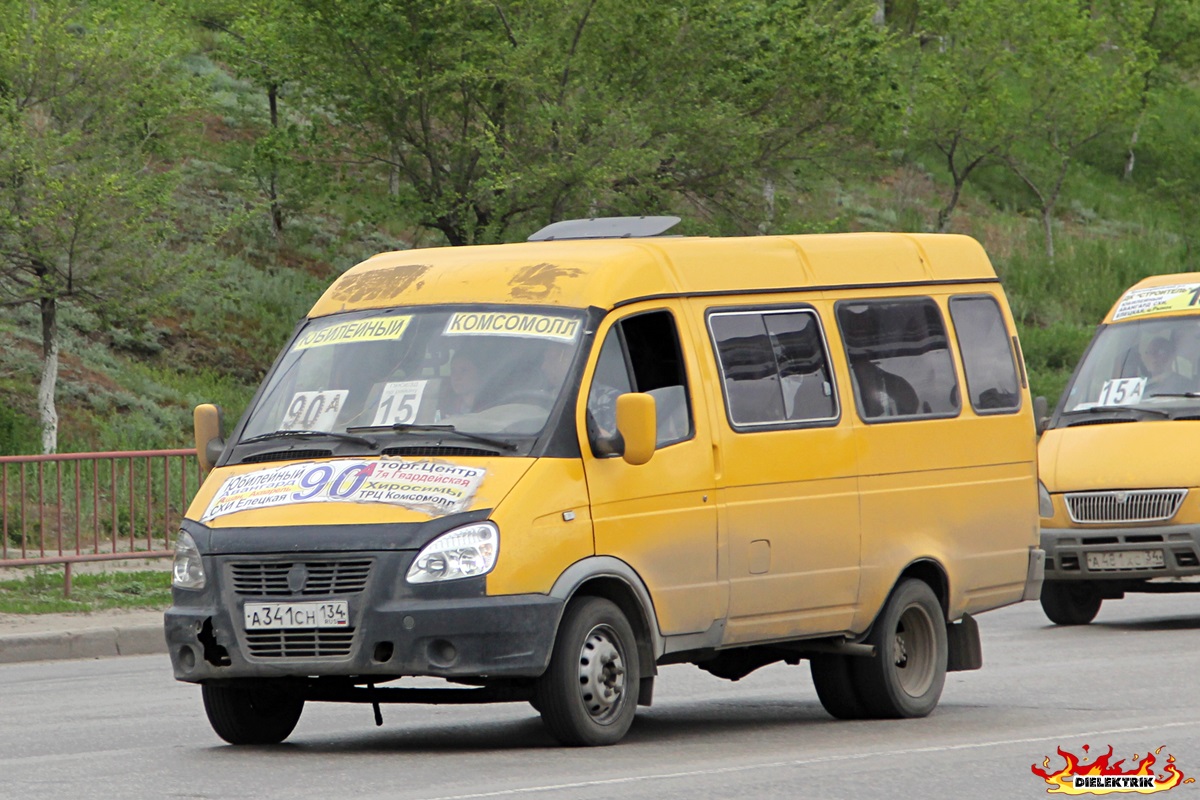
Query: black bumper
<point>453,631</point>
<point>1067,551</point>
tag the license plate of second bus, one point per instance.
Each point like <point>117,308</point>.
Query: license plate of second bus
<point>264,616</point>
<point>1125,559</point>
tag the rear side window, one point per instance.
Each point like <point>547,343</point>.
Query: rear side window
<point>774,367</point>
<point>991,366</point>
<point>900,360</point>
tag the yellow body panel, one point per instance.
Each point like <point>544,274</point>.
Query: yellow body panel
<point>661,517</point>
<point>545,526</point>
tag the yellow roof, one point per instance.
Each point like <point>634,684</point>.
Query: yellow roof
<point>1176,293</point>
<point>607,272</point>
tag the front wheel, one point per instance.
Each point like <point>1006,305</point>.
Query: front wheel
<point>905,676</point>
<point>589,693</point>
<point>1070,602</point>
<point>259,715</point>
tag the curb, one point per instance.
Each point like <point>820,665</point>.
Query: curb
<point>130,640</point>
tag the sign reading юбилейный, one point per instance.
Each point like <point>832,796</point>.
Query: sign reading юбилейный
<point>430,487</point>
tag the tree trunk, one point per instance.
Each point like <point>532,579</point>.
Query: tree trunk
<point>768,222</point>
<point>1048,228</point>
<point>272,189</point>
<point>1131,156</point>
<point>943,220</point>
<point>879,18</point>
<point>46,410</point>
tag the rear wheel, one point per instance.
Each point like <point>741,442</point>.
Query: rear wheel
<point>263,714</point>
<point>905,676</point>
<point>1070,602</point>
<point>588,695</point>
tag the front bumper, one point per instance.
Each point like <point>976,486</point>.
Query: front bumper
<point>449,630</point>
<point>1067,552</point>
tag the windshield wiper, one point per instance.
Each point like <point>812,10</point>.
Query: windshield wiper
<point>402,427</point>
<point>1175,394</point>
<point>311,435</point>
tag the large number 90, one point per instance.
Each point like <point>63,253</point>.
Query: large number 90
<point>320,478</point>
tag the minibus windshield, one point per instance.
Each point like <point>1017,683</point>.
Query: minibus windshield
<point>1151,365</point>
<point>469,370</point>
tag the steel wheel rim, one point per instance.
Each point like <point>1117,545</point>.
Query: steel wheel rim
<point>913,651</point>
<point>601,674</point>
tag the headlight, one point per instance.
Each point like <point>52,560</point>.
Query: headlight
<point>461,553</point>
<point>188,570</point>
<point>1045,504</point>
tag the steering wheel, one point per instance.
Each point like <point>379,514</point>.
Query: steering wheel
<point>532,397</point>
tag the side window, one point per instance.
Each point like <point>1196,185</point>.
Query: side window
<point>774,367</point>
<point>641,354</point>
<point>991,367</point>
<point>899,357</point>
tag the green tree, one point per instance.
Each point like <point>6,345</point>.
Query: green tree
<point>1085,74</point>
<point>968,65</point>
<point>252,43</point>
<point>1170,30</point>
<point>481,116</point>
<point>87,91</point>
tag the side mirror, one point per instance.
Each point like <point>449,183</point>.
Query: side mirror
<point>207,423</point>
<point>1041,414</point>
<point>637,422</point>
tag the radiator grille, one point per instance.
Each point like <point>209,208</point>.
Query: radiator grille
<point>1148,505</point>
<point>290,578</point>
<point>299,644</point>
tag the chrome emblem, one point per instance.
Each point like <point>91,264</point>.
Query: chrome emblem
<point>297,577</point>
<point>1120,497</point>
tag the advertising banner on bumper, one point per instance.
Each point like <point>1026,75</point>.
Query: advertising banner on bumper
<point>435,488</point>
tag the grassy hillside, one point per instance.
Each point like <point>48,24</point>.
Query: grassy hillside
<point>134,387</point>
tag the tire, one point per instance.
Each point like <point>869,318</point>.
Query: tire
<point>906,675</point>
<point>588,695</point>
<point>1070,602</point>
<point>259,715</point>
<point>834,680</point>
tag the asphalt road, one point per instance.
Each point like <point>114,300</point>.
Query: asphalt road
<point>122,727</point>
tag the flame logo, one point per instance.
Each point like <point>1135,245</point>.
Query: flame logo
<point>1101,777</point>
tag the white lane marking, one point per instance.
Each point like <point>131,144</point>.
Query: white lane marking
<point>801,762</point>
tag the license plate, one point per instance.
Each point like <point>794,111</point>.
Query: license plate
<point>262,616</point>
<point>1125,559</point>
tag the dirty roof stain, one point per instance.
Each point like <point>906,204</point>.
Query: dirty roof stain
<point>378,284</point>
<point>537,281</point>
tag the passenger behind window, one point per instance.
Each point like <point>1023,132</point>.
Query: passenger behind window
<point>1161,369</point>
<point>883,394</point>
<point>462,392</point>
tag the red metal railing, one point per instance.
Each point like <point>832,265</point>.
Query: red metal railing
<point>74,507</point>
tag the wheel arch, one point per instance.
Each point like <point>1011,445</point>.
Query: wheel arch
<point>934,575</point>
<point>616,581</point>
